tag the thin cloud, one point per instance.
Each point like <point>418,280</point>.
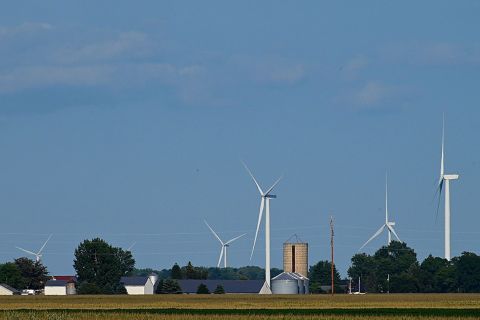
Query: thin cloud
<point>432,54</point>
<point>125,44</point>
<point>25,28</point>
<point>376,95</point>
<point>353,67</point>
<point>269,70</point>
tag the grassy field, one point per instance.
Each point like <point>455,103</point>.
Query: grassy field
<point>406,306</point>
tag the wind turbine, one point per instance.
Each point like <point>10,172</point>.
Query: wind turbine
<point>131,246</point>
<point>445,180</point>
<point>225,245</point>
<point>39,254</point>
<point>388,224</point>
<point>264,203</point>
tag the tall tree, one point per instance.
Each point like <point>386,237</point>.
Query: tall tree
<point>437,275</point>
<point>392,268</point>
<point>34,273</point>
<point>10,274</point>
<point>176,272</point>
<point>321,275</point>
<point>468,272</point>
<point>97,262</point>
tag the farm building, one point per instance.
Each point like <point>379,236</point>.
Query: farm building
<point>190,286</point>
<point>66,278</point>
<point>56,287</point>
<point>290,283</point>
<point>6,290</point>
<point>138,285</point>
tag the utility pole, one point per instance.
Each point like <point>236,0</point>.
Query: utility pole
<point>331,247</point>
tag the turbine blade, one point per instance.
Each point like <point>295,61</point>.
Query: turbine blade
<point>131,246</point>
<point>439,192</point>
<point>214,233</point>
<point>442,164</point>
<point>236,238</point>
<point>373,237</point>
<point>260,213</point>
<point>220,258</point>
<point>29,252</point>
<point>386,197</point>
<point>254,180</point>
<point>273,186</point>
<point>40,251</point>
<point>394,233</point>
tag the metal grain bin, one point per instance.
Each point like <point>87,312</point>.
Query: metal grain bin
<point>285,283</point>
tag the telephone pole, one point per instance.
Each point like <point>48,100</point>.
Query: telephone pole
<point>331,247</point>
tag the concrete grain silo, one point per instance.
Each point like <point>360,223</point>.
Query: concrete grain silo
<point>295,257</point>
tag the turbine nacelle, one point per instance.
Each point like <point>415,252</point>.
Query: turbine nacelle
<point>451,176</point>
<point>269,196</point>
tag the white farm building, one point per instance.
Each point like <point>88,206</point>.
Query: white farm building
<point>6,290</point>
<point>138,285</point>
<point>60,287</point>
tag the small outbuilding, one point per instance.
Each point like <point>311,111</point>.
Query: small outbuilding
<point>6,290</point>
<point>56,287</point>
<point>138,285</point>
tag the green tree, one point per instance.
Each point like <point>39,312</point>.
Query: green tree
<point>89,288</point>
<point>219,289</point>
<point>437,275</point>
<point>321,275</point>
<point>202,289</point>
<point>363,267</point>
<point>176,272</point>
<point>34,273</point>
<point>468,272</point>
<point>11,275</point>
<point>98,263</point>
<point>159,288</point>
<point>396,262</point>
<point>170,286</point>
<point>190,271</point>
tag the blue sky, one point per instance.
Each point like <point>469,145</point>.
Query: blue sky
<point>128,121</point>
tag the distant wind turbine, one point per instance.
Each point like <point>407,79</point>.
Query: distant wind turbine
<point>388,224</point>
<point>39,254</point>
<point>264,202</point>
<point>445,180</point>
<point>131,246</point>
<point>225,245</point>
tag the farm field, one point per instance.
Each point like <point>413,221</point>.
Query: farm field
<point>393,306</point>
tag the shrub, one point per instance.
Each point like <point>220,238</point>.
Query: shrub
<point>89,288</point>
<point>202,289</point>
<point>219,289</point>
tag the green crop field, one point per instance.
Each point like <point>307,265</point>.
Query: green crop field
<point>393,306</point>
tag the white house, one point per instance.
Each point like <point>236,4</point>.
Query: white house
<point>6,290</point>
<point>59,287</point>
<point>138,285</point>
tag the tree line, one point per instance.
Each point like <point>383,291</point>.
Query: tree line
<point>395,268</point>
<point>212,273</point>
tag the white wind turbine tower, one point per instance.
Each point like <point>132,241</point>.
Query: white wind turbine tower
<point>264,203</point>
<point>445,180</point>
<point>388,224</point>
<point>39,254</point>
<point>225,245</point>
